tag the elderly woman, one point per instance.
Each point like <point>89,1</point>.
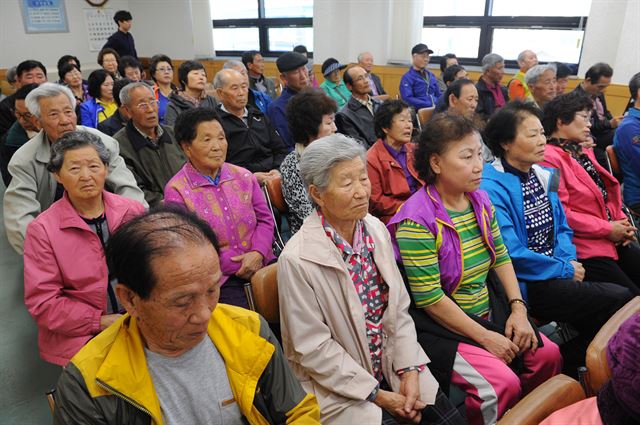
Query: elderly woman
<point>71,76</point>
<point>535,230</point>
<point>193,79</point>
<point>390,160</point>
<point>69,289</point>
<point>101,105</point>
<point>343,306</point>
<point>109,60</point>
<point>227,197</point>
<point>333,85</point>
<point>161,71</point>
<point>590,195</point>
<point>448,240</point>
<point>311,115</point>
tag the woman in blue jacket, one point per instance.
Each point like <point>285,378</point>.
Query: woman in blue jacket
<point>534,226</point>
<point>101,105</point>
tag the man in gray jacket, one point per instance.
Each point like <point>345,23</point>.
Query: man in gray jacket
<point>33,189</point>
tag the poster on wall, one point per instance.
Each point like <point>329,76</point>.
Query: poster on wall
<point>100,25</point>
<point>43,16</point>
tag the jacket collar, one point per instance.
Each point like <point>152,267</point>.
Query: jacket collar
<point>195,179</point>
<point>69,217</point>
<point>316,246</point>
<point>495,171</point>
<point>138,141</point>
<point>43,153</point>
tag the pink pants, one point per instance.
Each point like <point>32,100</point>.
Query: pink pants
<point>492,387</point>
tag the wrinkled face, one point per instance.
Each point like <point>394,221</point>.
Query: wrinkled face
<point>467,102</point>
<point>133,73</point>
<point>164,73</point>
<point>25,118</point>
<point>197,79</point>
<point>561,85</point>
<point>57,116</point>
<point>328,126</point>
<point>208,150</point>
<point>545,88</point>
<point>360,79</point>
<point>82,173</point>
<point>175,317</point>
<point>366,61</point>
<point>528,146</point>
<point>495,73</point>
<point>73,78</point>
<point>346,198</point>
<point>106,89</point>
<point>34,75</point>
<point>598,87</point>
<point>420,60</point>
<point>234,93</point>
<point>530,60</point>
<point>143,108</point>
<point>110,63</point>
<point>257,66</point>
<point>401,127</point>
<point>578,130</point>
<point>459,167</point>
<point>296,79</point>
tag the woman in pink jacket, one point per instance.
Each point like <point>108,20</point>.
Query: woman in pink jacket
<point>590,195</point>
<point>67,285</point>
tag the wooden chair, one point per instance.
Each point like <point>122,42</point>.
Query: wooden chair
<point>51,400</point>
<point>596,360</point>
<point>558,392</point>
<point>274,190</point>
<point>425,114</point>
<point>614,165</point>
<point>262,293</point>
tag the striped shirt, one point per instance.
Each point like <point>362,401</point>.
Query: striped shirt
<point>420,258</point>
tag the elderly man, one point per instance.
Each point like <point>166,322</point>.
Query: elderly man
<point>518,88</point>
<point>295,76</point>
<point>252,142</point>
<point>355,119</point>
<point>27,72</point>
<point>256,99</point>
<point>149,149</point>
<point>177,356</point>
<point>419,86</point>
<point>491,94</point>
<point>541,81</point>
<point>365,60</point>
<point>254,63</point>
<point>33,189</point>
<point>120,117</point>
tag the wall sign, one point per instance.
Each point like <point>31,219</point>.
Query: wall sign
<point>43,16</point>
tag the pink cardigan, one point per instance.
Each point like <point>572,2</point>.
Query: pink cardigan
<point>584,205</point>
<point>66,277</point>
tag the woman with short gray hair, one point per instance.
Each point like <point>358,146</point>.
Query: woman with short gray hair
<point>68,288</point>
<point>343,306</point>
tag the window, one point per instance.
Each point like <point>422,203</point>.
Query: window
<point>268,26</point>
<point>472,28</point>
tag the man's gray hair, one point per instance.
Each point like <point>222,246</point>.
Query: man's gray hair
<point>219,80</point>
<point>45,90</point>
<point>490,60</point>
<point>319,158</point>
<point>533,75</point>
<point>125,92</point>
<point>361,55</point>
<point>233,64</point>
<point>523,54</point>
<point>75,140</point>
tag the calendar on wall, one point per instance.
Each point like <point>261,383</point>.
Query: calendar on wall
<point>100,26</point>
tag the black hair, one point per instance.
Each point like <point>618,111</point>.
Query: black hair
<point>186,126</point>
<point>449,74</point>
<point>443,60</point>
<point>383,117</point>
<point>301,49</point>
<point>247,57</point>
<point>156,233</point>
<point>96,78</point>
<point>184,70</point>
<point>347,78</point>
<point>117,88</point>
<point>65,60</point>
<point>122,15</point>
<point>106,51</point>
<point>455,88</point>
<point>66,68</point>
<point>562,70</point>
<point>634,86</point>
<point>564,107</point>
<point>22,92</point>
<point>28,65</point>
<point>441,130</point>
<point>305,111</point>
<point>502,127</point>
<point>597,71</point>
<point>129,62</point>
<point>155,60</point>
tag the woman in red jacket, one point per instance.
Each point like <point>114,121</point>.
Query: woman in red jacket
<point>590,195</point>
<point>390,160</point>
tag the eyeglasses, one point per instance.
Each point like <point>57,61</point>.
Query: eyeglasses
<point>165,69</point>
<point>25,116</point>
<point>147,105</point>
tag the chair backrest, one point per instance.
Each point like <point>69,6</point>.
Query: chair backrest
<point>613,161</point>
<point>556,393</point>
<point>51,400</point>
<point>274,188</point>
<point>425,114</point>
<point>264,286</point>
<point>596,361</point>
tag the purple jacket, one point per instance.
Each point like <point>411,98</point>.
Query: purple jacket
<point>66,276</point>
<point>425,208</point>
<point>235,209</point>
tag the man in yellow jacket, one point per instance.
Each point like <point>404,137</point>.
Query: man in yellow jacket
<point>176,356</point>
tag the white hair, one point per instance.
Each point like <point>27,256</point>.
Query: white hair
<point>490,60</point>
<point>533,75</point>
<point>125,92</point>
<point>219,80</point>
<point>46,90</point>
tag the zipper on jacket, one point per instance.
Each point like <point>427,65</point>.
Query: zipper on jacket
<point>123,397</point>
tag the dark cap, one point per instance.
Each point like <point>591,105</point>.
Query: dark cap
<point>331,65</point>
<point>421,48</point>
<point>290,61</point>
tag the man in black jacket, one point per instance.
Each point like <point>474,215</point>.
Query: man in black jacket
<point>253,143</point>
<point>492,94</point>
<point>355,119</point>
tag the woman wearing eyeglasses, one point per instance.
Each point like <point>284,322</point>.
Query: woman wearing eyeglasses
<point>161,71</point>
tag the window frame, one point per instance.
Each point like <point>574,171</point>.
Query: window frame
<point>263,24</point>
<point>488,23</point>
